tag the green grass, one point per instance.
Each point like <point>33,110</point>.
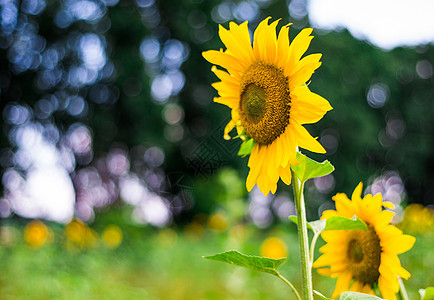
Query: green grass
<point>153,265</point>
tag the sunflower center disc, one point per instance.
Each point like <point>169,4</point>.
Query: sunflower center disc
<point>264,102</point>
<point>364,255</point>
<point>253,100</point>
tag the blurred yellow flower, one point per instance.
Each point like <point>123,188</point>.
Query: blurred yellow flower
<point>167,237</point>
<point>239,233</point>
<point>36,234</point>
<point>265,87</point>
<point>362,259</point>
<point>218,222</point>
<point>79,235</point>
<point>273,247</point>
<point>9,236</point>
<point>112,236</point>
<point>418,219</point>
<point>194,231</point>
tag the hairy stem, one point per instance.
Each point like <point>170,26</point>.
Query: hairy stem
<point>306,265</point>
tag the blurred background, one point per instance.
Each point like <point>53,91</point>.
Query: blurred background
<point>115,175</point>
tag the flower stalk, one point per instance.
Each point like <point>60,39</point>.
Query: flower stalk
<point>294,290</point>
<point>402,290</point>
<point>306,264</point>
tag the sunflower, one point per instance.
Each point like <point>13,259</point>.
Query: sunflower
<point>264,85</point>
<point>364,259</point>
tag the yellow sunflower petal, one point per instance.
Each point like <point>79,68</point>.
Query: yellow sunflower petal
<point>403,273</point>
<point>271,168</point>
<point>260,174</point>
<point>387,233</point>
<point>324,271</point>
<point>357,194</point>
<point>282,52</point>
<point>241,33</point>
<point>302,94</point>
<point>364,209</point>
<point>226,89</point>
<point>270,42</point>
<point>342,284</point>
<point>386,271</point>
<point>303,74</point>
<point>285,174</point>
<point>388,205</point>
<point>227,79</point>
<point>328,213</point>
<point>236,117</point>
<point>338,268</point>
<point>357,286</point>
<point>255,164</point>
<point>332,248</point>
<point>299,46</point>
<point>305,140</point>
<point>387,288</point>
<point>383,218</point>
<point>259,37</point>
<point>327,260</point>
<point>340,197</point>
<point>306,113</point>
<point>228,129</point>
<point>223,59</point>
<point>368,290</point>
<point>228,101</point>
<point>279,151</point>
<point>275,159</point>
<point>267,182</point>
<point>262,184</point>
<point>289,146</point>
<point>334,236</point>
<point>392,262</point>
<point>400,244</point>
<point>344,206</point>
<point>225,76</point>
<point>375,204</point>
<point>232,42</point>
<point>307,60</point>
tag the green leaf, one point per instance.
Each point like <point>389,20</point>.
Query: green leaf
<point>308,168</point>
<point>258,263</point>
<point>342,223</point>
<point>350,296</point>
<point>333,223</point>
<point>316,226</point>
<point>321,295</point>
<point>246,147</point>
<point>427,294</point>
<point>294,220</point>
<point>357,296</point>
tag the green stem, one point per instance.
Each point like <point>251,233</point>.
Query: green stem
<point>402,290</point>
<point>290,285</point>
<point>306,269</point>
<point>312,247</point>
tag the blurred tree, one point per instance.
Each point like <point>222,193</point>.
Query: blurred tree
<point>121,94</point>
